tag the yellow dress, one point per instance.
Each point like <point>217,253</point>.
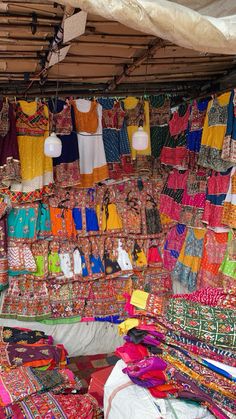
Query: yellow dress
<point>213,134</point>
<point>110,218</point>
<point>32,125</point>
<point>137,111</point>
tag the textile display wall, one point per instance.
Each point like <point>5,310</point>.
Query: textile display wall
<point>81,231</point>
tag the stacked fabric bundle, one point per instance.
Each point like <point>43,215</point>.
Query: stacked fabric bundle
<point>34,381</point>
<point>184,347</point>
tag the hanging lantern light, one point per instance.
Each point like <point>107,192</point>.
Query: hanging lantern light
<point>52,146</point>
<point>140,139</point>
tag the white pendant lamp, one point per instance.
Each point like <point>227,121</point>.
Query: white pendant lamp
<point>140,139</point>
<point>52,146</point>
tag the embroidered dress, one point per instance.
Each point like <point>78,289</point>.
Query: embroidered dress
<point>159,123</point>
<point>228,266</point>
<point>194,134</point>
<point>174,152</point>
<point>172,194</point>
<point>214,248</point>
<point>213,134</point>
<point>189,260</point>
<point>173,244</point>
<point>229,205</point>
<point>26,299</point>
<point>229,144</point>
<point>66,168</point>
<point>22,222</point>
<point>93,166</point>
<point>137,112</point>
<point>217,187</point>
<point>32,126</point>
<point>9,153</point>
<point>115,138</point>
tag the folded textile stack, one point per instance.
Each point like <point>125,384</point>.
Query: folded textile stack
<point>184,347</point>
<point>34,381</point>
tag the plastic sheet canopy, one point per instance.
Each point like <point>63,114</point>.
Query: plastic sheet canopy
<point>201,25</point>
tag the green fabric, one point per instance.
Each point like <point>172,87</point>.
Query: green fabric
<point>228,267</point>
<point>62,321</point>
<point>212,324</point>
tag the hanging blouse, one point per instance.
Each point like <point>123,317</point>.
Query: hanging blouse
<point>196,119</point>
<point>179,123</point>
<point>32,125</point>
<point>213,134</point>
<point>136,115</point>
<point>4,120</point>
<point>9,153</point>
<point>160,116</point>
<point>86,121</point>
<point>61,122</point>
<point>113,118</point>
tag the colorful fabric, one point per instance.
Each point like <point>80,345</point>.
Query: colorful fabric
<point>214,248</point>
<point>9,153</point>
<point>137,112</point>
<point>66,169</point>
<point>189,260</point>
<point>22,222</point>
<point>93,166</point>
<point>173,244</point>
<point>213,134</point>
<point>159,123</point>
<point>229,205</point>
<point>23,336</point>
<point>32,126</point>
<point>217,187</point>
<point>53,406</point>
<point>174,152</point>
<point>229,144</point>
<point>228,266</point>
<point>115,137</point>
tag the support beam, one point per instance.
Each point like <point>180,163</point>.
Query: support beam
<point>128,69</point>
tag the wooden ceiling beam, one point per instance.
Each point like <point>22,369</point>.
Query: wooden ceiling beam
<point>129,69</point>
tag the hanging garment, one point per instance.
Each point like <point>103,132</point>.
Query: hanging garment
<point>214,248</point>
<point>229,205</point>
<point>66,167</point>
<point>9,153</point>
<point>40,253</point>
<point>124,259</point>
<point>228,266</point>
<point>62,223</point>
<point>213,134</point>
<point>229,144</point>
<point>32,127</point>
<point>173,244</point>
<point>115,138</point>
<point>93,166</point>
<point>189,260</point>
<point>54,265</point>
<point>43,222</point>
<point>153,220</point>
<point>137,112</point>
<point>159,123</point>
<point>26,299</point>
<point>217,187</point>
<point>22,222</point>
<point>174,152</point>
<point>172,194</point>
<point>194,133</point>
<point>77,262</point>
<point>20,259</point>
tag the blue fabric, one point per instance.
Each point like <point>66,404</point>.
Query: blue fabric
<point>231,122</point>
<point>116,142</point>
<point>77,217</point>
<point>194,137</point>
<point>84,267</point>
<point>70,149</point>
<point>96,265</point>
<point>91,220</point>
<point>216,199</point>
